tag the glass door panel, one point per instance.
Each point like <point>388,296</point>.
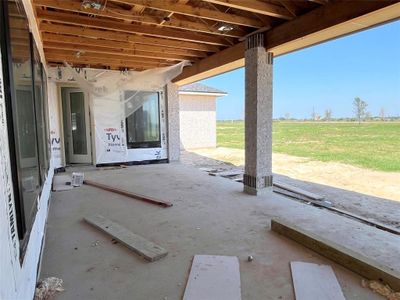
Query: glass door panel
<point>78,123</point>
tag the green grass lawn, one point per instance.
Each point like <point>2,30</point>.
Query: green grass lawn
<point>374,145</point>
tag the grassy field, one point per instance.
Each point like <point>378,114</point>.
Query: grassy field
<point>374,145</point>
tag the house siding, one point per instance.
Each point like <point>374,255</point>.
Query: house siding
<point>197,121</point>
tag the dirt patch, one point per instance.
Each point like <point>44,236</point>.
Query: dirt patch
<point>369,193</point>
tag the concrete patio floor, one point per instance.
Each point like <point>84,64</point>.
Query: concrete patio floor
<point>210,216</point>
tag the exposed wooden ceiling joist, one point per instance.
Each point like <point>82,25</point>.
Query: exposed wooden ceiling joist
<point>95,63</point>
<point>163,52</point>
<point>256,6</point>
<point>290,6</point>
<point>198,12</point>
<point>67,18</point>
<point>127,15</point>
<point>125,37</point>
<point>110,51</point>
<point>95,58</point>
<point>118,56</point>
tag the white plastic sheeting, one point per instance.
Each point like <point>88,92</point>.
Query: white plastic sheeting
<point>111,104</point>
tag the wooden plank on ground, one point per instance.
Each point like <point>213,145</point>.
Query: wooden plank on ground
<point>128,194</point>
<point>136,243</point>
<point>297,190</point>
<point>312,281</point>
<point>213,278</point>
<point>355,261</point>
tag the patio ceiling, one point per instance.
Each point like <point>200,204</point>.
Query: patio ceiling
<point>143,34</point>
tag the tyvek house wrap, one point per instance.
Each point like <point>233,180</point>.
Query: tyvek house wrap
<point>110,106</point>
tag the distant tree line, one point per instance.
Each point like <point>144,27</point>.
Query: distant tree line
<point>359,110</point>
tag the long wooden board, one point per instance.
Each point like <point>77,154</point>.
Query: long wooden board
<point>297,190</point>
<point>354,261</point>
<point>312,281</point>
<point>136,243</point>
<point>213,278</point>
<point>128,194</point>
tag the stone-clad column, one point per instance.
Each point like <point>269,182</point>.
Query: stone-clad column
<point>174,141</point>
<point>258,116</point>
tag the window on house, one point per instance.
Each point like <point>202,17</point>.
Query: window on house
<point>143,124</point>
<point>27,116</point>
<point>40,114</point>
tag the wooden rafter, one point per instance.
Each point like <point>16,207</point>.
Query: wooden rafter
<point>95,58</point>
<point>163,52</point>
<point>198,12</point>
<point>125,37</point>
<point>117,56</point>
<point>67,18</point>
<point>256,6</point>
<point>290,6</point>
<point>127,15</point>
<point>110,51</point>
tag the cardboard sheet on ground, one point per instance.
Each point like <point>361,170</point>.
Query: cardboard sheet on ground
<point>312,281</point>
<point>213,278</point>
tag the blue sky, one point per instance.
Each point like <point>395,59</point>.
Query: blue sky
<point>329,75</point>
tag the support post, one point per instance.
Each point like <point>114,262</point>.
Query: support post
<point>174,142</point>
<point>258,116</point>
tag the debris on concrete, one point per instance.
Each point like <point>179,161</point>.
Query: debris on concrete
<point>213,277</point>
<point>62,183</point>
<point>48,287</point>
<point>227,174</point>
<point>296,190</point>
<point>250,258</point>
<point>77,179</point>
<point>313,281</point>
<point>381,289</point>
<point>209,170</point>
<point>112,168</point>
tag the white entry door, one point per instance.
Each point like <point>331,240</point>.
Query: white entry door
<point>78,127</point>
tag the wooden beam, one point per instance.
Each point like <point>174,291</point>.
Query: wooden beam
<point>161,52</point>
<point>218,63</point>
<point>127,15</point>
<point>319,19</point>
<point>169,33</point>
<point>315,27</point>
<point>125,37</point>
<point>128,194</point>
<point>356,262</point>
<point>198,12</point>
<point>322,2</point>
<point>256,6</point>
<point>112,51</point>
<point>134,242</point>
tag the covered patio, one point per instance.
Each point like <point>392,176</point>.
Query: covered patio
<point>210,215</point>
<point>131,39</point>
